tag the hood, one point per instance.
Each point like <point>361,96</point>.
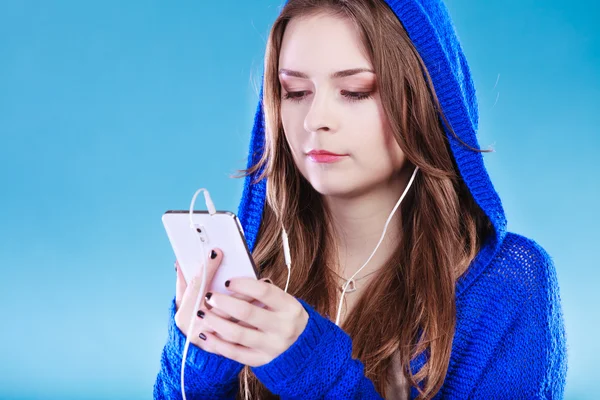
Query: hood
<point>432,32</point>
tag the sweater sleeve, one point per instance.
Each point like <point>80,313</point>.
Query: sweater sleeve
<point>538,367</point>
<point>207,375</point>
<point>318,365</point>
<point>519,349</point>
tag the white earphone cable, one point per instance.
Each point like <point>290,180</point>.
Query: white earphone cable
<point>288,261</point>
<point>287,256</point>
<point>211,210</point>
<point>286,248</point>
<point>339,312</point>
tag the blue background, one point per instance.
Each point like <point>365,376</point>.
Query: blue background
<point>112,112</point>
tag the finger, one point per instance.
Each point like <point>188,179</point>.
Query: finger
<point>235,333</point>
<point>268,294</point>
<point>191,332</point>
<point>241,354</point>
<point>196,337</point>
<point>223,314</point>
<point>180,285</point>
<point>251,314</point>
<point>254,301</point>
<point>190,295</point>
<point>227,316</point>
<point>212,264</point>
<point>242,297</point>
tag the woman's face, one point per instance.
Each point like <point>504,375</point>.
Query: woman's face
<point>340,113</point>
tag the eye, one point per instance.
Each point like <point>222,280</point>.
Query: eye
<point>294,96</point>
<point>356,96</point>
<point>351,96</point>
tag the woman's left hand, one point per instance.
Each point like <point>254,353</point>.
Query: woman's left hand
<point>272,330</point>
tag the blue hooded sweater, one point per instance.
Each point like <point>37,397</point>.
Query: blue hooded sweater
<point>509,340</point>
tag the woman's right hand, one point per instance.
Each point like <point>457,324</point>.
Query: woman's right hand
<point>186,296</point>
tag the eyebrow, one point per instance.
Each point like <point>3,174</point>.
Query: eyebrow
<point>335,75</point>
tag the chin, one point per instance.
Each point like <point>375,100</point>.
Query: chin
<point>336,182</point>
<point>336,187</point>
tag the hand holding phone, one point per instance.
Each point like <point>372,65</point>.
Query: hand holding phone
<point>185,298</point>
<point>193,235</point>
<point>186,294</point>
<point>190,239</point>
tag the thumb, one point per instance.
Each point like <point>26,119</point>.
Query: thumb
<point>180,285</point>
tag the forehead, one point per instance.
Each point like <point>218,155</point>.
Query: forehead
<point>322,44</point>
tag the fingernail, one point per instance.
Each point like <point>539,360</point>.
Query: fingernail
<point>202,336</point>
<point>200,313</point>
<point>208,295</point>
<point>227,283</point>
<point>213,254</point>
<point>268,280</point>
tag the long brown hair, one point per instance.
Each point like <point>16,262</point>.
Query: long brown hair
<point>442,226</point>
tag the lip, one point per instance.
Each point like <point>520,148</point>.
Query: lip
<point>324,156</point>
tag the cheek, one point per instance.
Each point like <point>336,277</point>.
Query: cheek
<point>382,151</point>
<point>380,159</point>
<point>291,118</point>
<point>395,153</point>
<point>292,140</point>
<point>380,146</point>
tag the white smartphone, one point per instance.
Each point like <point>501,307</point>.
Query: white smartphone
<point>221,230</point>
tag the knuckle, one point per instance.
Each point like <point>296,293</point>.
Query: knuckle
<point>289,332</point>
<point>222,350</point>
<point>278,344</point>
<point>220,313</point>
<point>236,336</point>
<point>263,291</point>
<point>299,312</point>
<point>245,313</point>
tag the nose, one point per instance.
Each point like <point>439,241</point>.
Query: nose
<point>320,116</point>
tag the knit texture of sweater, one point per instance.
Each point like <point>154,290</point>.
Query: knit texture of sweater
<point>509,341</point>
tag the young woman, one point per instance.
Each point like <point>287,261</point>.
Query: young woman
<point>365,103</point>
